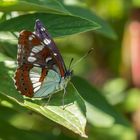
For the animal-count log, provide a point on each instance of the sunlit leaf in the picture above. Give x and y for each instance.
(114, 90)
(131, 102)
(3, 57)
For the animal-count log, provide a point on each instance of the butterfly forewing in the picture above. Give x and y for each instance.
(29, 49)
(47, 40)
(31, 54)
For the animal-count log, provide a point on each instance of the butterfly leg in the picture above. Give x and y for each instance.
(49, 99)
(63, 103)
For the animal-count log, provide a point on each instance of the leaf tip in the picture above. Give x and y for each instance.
(84, 135)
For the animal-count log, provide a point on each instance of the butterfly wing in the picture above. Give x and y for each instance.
(51, 84)
(47, 40)
(31, 55)
(31, 50)
(41, 69)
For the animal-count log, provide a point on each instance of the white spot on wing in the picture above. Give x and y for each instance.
(37, 65)
(33, 82)
(31, 59)
(55, 54)
(34, 75)
(30, 38)
(19, 46)
(19, 50)
(36, 84)
(37, 49)
(42, 29)
(47, 41)
(31, 54)
(32, 72)
(34, 79)
(47, 59)
(37, 88)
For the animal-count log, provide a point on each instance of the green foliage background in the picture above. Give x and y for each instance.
(93, 112)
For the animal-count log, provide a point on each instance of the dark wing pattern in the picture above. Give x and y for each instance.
(37, 54)
(31, 53)
(47, 40)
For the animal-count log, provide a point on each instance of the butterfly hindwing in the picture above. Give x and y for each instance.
(50, 84)
(22, 80)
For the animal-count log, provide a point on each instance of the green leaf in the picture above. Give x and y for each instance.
(131, 101)
(115, 132)
(99, 111)
(6, 113)
(114, 90)
(136, 3)
(72, 117)
(8, 49)
(58, 25)
(105, 29)
(31, 5)
(9, 132)
(3, 57)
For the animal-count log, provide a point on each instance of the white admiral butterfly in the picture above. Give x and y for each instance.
(41, 70)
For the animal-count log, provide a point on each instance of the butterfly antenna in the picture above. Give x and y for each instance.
(70, 63)
(15, 35)
(78, 61)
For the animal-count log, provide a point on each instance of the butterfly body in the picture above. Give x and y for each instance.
(41, 70)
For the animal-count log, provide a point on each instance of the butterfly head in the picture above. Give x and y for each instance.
(68, 73)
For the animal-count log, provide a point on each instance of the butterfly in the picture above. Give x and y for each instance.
(41, 70)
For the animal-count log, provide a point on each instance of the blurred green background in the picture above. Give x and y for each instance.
(113, 69)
